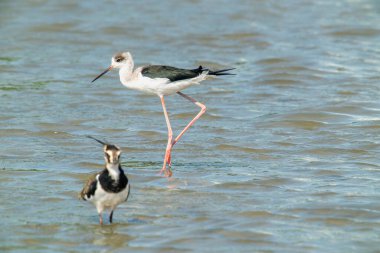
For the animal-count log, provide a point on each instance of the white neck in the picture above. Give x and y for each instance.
(125, 72)
(113, 170)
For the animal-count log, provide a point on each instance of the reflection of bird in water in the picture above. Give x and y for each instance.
(110, 236)
(162, 80)
(110, 187)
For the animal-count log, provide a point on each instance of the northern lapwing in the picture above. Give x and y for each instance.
(110, 187)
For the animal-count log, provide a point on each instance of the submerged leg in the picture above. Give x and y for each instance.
(169, 146)
(111, 215)
(100, 209)
(100, 219)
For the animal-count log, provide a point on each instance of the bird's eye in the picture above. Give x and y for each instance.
(118, 59)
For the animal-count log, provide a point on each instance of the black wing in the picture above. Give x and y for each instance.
(129, 191)
(171, 73)
(89, 188)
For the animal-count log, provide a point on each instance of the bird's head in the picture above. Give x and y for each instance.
(118, 61)
(111, 152)
(121, 59)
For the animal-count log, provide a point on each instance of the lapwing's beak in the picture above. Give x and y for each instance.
(105, 71)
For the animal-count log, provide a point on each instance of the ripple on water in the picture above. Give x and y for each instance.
(262, 184)
(52, 134)
(14, 132)
(149, 134)
(243, 149)
(352, 215)
(356, 32)
(302, 124)
(334, 151)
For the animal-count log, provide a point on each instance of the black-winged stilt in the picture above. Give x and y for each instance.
(162, 80)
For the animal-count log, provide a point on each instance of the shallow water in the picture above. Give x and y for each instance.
(286, 159)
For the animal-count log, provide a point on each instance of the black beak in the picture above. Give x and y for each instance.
(105, 71)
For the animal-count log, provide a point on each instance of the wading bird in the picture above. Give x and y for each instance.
(110, 187)
(161, 81)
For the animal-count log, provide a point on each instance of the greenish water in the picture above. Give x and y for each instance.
(286, 159)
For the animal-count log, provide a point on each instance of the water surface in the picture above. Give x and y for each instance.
(286, 159)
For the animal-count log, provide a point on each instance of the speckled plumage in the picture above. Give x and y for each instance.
(89, 187)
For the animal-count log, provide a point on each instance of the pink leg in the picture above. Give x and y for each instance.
(100, 219)
(202, 111)
(171, 142)
(167, 172)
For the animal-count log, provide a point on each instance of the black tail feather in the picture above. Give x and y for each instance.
(221, 72)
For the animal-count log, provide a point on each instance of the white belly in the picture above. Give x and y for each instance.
(162, 86)
(108, 200)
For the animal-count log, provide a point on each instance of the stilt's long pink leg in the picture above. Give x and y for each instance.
(202, 111)
(169, 146)
(171, 142)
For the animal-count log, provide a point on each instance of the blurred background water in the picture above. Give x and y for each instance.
(286, 159)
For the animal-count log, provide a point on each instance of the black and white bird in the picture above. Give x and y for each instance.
(110, 187)
(161, 81)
